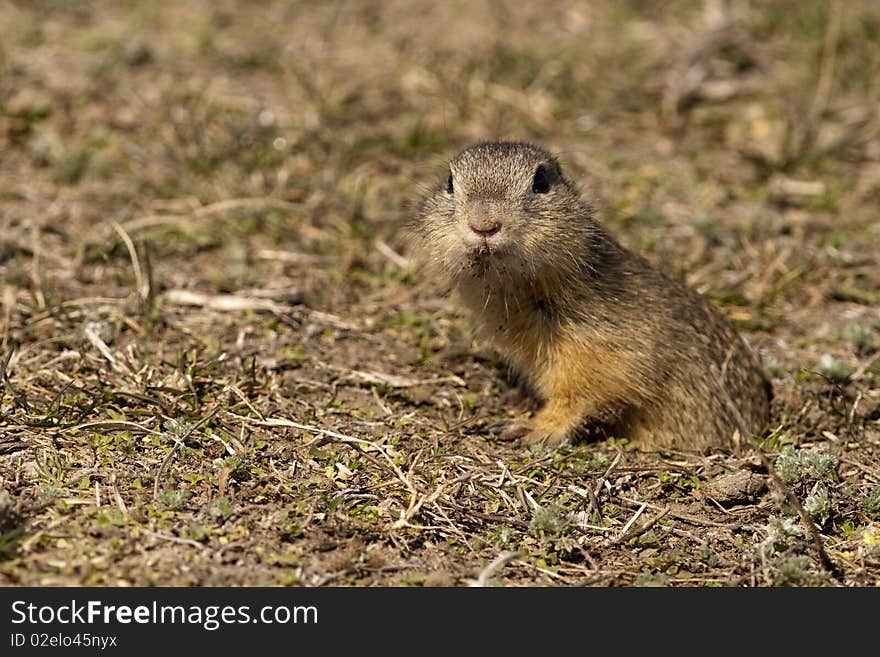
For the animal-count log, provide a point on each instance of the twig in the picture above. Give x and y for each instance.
(19, 398)
(294, 257)
(224, 302)
(611, 467)
(280, 422)
(150, 300)
(452, 526)
(872, 474)
(8, 305)
(117, 496)
(245, 400)
(855, 406)
(177, 443)
(499, 561)
(358, 568)
(503, 520)
(589, 495)
(545, 571)
(594, 493)
(526, 498)
(232, 302)
(36, 273)
(594, 503)
(628, 536)
(73, 303)
(630, 522)
(395, 380)
(392, 255)
(112, 424)
(140, 284)
(96, 341)
(174, 539)
(417, 502)
(680, 516)
(36, 536)
(863, 367)
(152, 220)
(829, 59)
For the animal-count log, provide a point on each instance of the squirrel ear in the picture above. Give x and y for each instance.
(541, 183)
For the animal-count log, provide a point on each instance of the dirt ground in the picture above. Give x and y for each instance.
(220, 366)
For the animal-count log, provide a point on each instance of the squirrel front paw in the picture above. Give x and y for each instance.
(530, 432)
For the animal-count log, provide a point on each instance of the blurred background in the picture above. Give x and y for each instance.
(212, 193)
(694, 125)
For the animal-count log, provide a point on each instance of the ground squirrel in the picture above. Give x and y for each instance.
(610, 343)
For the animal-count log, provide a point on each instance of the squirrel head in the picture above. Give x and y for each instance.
(505, 211)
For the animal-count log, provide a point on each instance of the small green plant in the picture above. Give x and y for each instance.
(802, 467)
(777, 440)
(847, 529)
(871, 543)
(834, 369)
(774, 367)
(50, 492)
(232, 463)
(779, 554)
(862, 336)
(173, 499)
(652, 580)
(871, 504)
(792, 571)
(505, 537)
(177, 427)
(781, 533)
(708, 556)
(818, 503)
(551, 521)
(551, 525)
(221, 508)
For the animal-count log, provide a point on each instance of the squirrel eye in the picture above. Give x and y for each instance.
(540, 185)
(449, 187)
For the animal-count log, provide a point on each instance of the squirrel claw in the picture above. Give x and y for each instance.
(528, 433)
(547, 438)
(509, 430)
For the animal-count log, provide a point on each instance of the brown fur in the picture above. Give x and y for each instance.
(605, 339)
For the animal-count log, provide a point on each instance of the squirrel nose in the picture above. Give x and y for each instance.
(484, 226)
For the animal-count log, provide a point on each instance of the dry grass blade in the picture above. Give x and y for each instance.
(99, 344)
(630, 522)
(335, 435)
(4, 374)
(153, 220)
(178, 441)
(113, 425)
(828, 61)
(9, 302)
(397, 381)
(392, 255)
(294, 257)
(174, 539)
(237, 303)
(141, 283)
(222, 302)
(626, 535)
(499, 562)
